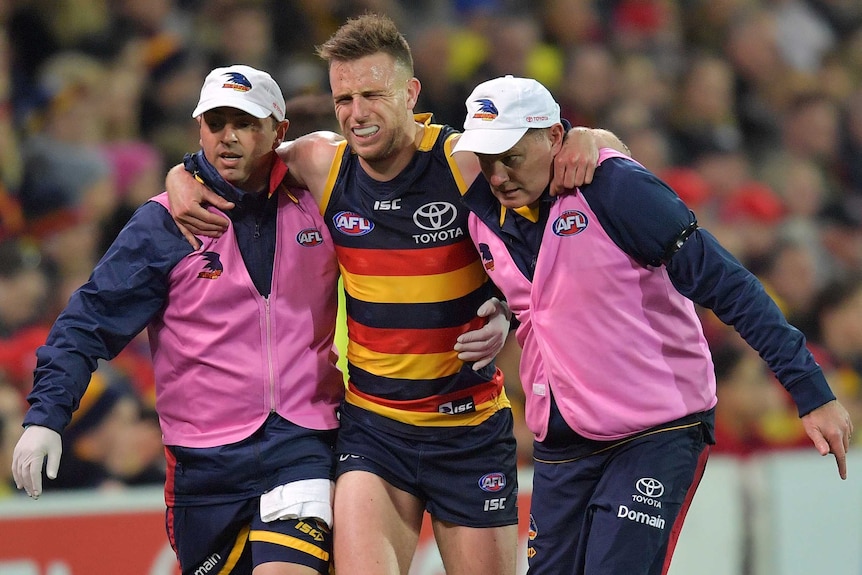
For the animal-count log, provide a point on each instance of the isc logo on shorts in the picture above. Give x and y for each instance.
(458, 406)
(492, 482)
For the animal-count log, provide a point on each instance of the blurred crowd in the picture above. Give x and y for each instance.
(750, 109)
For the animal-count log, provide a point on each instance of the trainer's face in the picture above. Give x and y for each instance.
(520, 175)
(237, 144)
(374, 100)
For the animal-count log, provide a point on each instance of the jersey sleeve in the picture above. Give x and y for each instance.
(126, 289)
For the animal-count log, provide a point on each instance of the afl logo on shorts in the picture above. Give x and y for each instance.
(352, 224)
(492, 482)
(309, 237)
(570, 223)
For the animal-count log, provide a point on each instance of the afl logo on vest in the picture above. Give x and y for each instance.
(309, 237)
(570, 223)
(352, 224)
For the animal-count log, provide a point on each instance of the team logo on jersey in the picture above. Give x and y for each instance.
(236, 81)
(487, 258)
(487, 110)
(213, 268)
(309, 237)
(570, 223)
(492, 482)
(435, 216)
(352, 224)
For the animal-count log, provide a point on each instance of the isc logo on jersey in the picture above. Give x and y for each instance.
(309, 237)
(570, 223)
(352, 224)
(492, 482)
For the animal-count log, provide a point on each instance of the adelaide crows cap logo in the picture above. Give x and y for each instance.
(487, 110)
(237, 81)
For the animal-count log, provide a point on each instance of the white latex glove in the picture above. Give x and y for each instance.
(481, 345)
(36, 442)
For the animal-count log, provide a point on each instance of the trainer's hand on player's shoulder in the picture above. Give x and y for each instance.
(35, 444)
(830, 428)
(481, 346)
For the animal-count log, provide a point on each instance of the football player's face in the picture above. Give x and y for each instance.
(374, 99)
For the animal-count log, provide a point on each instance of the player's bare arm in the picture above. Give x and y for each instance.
(308, 160)
(574, 165)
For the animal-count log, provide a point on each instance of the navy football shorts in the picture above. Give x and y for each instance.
(618, 510)
(213, 496)
(469, 478)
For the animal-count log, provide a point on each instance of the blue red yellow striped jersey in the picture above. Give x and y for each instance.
(413, 282)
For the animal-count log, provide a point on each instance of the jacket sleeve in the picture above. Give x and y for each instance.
(648, 221)
(126, 289)
(709, 275)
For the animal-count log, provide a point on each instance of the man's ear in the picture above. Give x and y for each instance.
(413, 89)
(280, 132)
(557, 134)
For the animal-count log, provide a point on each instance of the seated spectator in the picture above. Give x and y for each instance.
(111, 442)
(25, 284)
(752, 414)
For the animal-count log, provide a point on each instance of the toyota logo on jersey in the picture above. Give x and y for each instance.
(570, 223)
(435, 216)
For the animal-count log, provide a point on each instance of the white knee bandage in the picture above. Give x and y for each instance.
(300, 499)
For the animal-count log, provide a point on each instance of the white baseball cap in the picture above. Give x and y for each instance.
(500, 111)
(243, 88)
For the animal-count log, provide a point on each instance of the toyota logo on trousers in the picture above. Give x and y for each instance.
(649, 487)
(435, 216)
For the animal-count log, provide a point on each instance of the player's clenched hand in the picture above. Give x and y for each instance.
(830, 428)
(482, 345)
(186, 198)
(35, 444)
